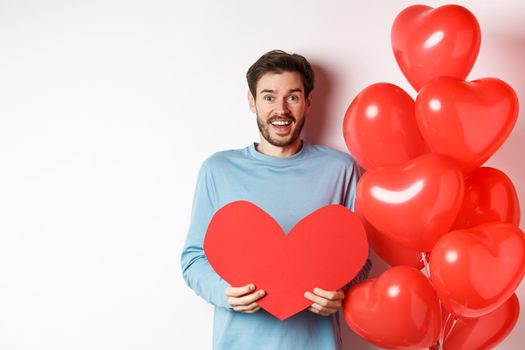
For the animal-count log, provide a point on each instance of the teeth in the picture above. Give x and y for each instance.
(280, 122)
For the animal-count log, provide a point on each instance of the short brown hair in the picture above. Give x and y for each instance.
(278, 61)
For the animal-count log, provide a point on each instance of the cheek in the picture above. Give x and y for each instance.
(264, 110)
(299, 111)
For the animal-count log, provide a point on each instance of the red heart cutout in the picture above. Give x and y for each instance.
(399, 309)
(413, 204)
(430, 43)
(484, 332)
(380, 127)
(467, 121)
(489, 196)
(326, 249)
(475, 271)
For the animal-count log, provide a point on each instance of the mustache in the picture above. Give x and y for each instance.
(282, 117)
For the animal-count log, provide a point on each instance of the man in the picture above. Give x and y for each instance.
(289, 180)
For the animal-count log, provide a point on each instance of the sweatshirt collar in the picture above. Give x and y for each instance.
(252, 149)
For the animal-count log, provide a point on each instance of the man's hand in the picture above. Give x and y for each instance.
(243, 299)
(325, 303)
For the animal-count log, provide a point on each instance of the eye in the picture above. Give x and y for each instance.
(293, 98)
(268, 98)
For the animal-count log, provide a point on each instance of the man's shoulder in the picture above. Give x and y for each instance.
(224, 158)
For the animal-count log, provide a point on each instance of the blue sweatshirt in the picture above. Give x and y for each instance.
(288, 189)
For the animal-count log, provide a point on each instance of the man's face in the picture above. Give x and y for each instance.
(280, 106)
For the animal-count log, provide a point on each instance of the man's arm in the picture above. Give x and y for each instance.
(356, 173)
(361, 276)
(328, 302)
(196, 270)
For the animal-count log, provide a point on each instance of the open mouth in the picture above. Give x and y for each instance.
(281, 122)
(281, 126)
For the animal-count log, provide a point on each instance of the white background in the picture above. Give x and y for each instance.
(108, 108)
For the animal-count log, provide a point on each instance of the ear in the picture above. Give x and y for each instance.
(309, 101)
(251, 101)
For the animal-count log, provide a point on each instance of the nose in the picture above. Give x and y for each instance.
(282, 106)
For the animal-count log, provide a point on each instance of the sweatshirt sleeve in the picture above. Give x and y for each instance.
(196, 270)
(361, 276)
(355, 174)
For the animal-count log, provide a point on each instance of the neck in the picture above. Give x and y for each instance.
(267, 148)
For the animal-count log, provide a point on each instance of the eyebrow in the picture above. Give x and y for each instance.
(273, 91)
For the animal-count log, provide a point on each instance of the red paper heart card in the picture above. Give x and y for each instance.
(326, 250)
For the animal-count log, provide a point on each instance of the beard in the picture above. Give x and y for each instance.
(264, 128)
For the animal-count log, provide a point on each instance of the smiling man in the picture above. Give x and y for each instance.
(287, 178)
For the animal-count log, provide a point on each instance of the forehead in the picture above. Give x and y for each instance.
(280, 82)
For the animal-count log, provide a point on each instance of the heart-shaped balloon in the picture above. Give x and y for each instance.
(475, 271)
(489, 196)
(413, 204)
(467, 121)
(484, 332)
(391, 251)
(399, 309)
(430, 43)
(380, 127)
(326, 250)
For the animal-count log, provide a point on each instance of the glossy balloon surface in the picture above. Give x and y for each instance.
(380, 127)
(414, 204)
(475, 271)
(397, 309)
(430, 43)
(484, 332)
(489, 196)
(467, 121)
(391, 251)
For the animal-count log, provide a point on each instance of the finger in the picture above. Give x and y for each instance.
(322, 301)
(253, 311)
(324, 308)
(239, 291)
(314, 310)
(319, 310)
(247, 308)
(246, 299)
(330, 295)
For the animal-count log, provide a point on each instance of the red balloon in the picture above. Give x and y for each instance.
(489, 196)
(380, 127)
(430, 43)
(475, 271)
(413, 204)
(467, 121)
(390, 251)
(484, 332)
(397, 309)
